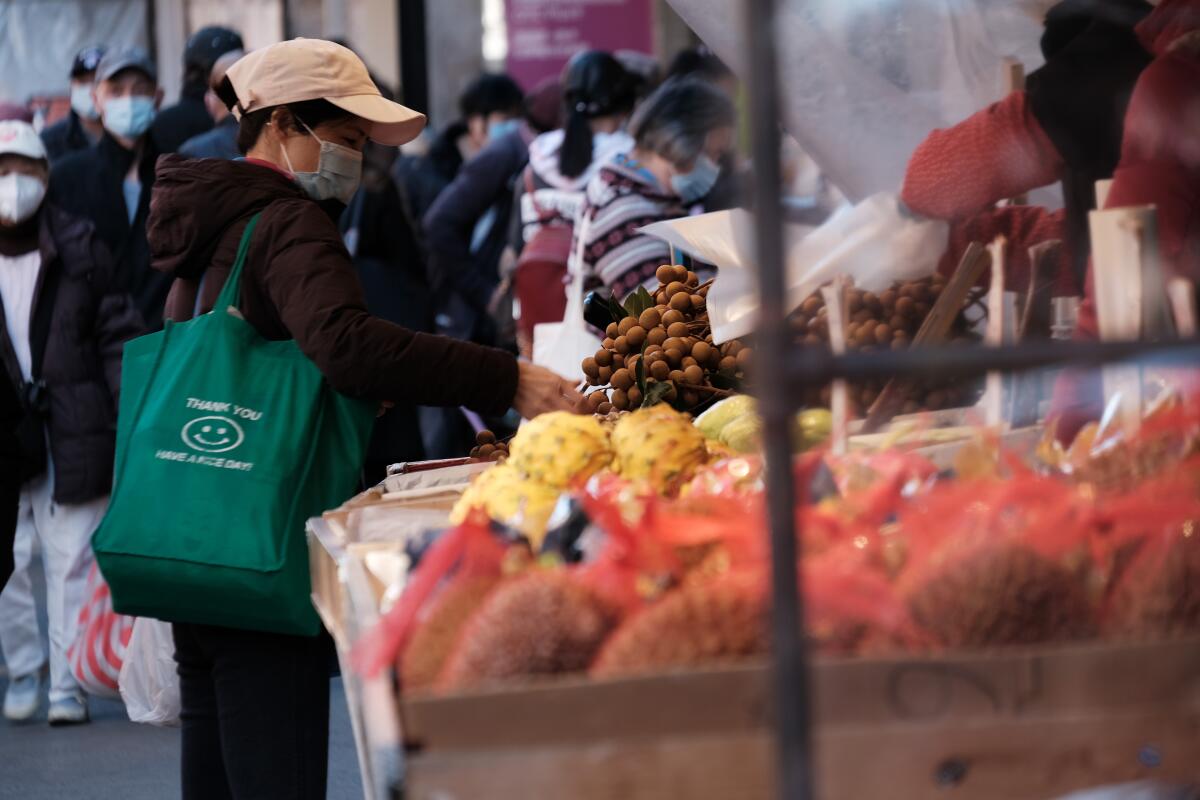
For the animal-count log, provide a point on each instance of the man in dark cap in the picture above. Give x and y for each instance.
(189, 117)
(110, 183)
(221, 141)
(81, 128)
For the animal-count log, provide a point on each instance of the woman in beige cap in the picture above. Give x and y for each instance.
(255, 706)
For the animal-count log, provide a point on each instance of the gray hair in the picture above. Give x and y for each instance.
(675, 120)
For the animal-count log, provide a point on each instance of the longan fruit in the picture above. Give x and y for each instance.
(697, 302)
(744, 357)
(620, 400)
(871, 302)
(474, 452)
(702, 352)
(649, 319)
(653, 350)
(622, 345)
(624, 325)
(631, 363)
(888, 299)
(655, 337)
(898, 323)
(693, 375)
(905, 306)
(636, 337)
(692, 279)
(690, 399)
(678, 330)
(612, 331)
(860, 316)
(899, 344)
(673, 343)
(854, 302)
(674, 288)
(812, 305)
(734, 347)
(660, 370)
(799, 322)
(604, 357)
(635, 397)
(605, 375)
(622, 379)
(681, 302)
(681, 272)
(595, 399)
(728, 364)
(486, 450)
(608, 344)
(618, 361)
(703, 291)
(590, 368)
(671, 316)
(883, 333)
(665, 274)
(674, 357)
(485, 437)
(688, 362)
(605, 409)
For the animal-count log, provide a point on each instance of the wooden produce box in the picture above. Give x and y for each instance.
(1013, 724)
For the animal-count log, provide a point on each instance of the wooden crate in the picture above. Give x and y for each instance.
(1034, 723)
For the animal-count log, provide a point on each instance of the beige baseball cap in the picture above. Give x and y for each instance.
(314, 69)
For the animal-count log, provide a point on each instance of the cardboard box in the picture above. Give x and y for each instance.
(1020, 723)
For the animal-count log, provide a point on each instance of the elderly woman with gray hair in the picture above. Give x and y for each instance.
(681, 133)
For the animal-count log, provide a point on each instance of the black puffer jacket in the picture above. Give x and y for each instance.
(81, 363)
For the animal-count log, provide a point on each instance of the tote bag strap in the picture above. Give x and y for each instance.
(231, 292)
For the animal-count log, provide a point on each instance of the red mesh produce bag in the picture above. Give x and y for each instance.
(468, 551)
(540, 623)
(999, 562)
(1151, 540)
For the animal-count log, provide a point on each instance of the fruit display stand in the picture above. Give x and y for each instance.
(348, 593)
(1023, 723)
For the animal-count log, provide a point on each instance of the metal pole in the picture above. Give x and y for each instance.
(813, 365)
(790, 667)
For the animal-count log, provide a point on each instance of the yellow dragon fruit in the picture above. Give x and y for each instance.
(559, 449)
(509, 497)
(658, 445)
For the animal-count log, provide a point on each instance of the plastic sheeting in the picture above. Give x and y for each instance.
(864, 81)
(39, 40)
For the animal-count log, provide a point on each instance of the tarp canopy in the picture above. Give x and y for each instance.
(864, 81)
(41, 37)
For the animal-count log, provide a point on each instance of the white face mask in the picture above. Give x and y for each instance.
(82, 102)
(20, 197)
(691, 186)
(339, 172)
(130, 116)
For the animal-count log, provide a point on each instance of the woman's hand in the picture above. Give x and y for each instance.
(539, 390)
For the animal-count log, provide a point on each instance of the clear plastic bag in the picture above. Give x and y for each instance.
(149, 683)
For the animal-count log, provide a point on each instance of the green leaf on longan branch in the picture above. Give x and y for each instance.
(638, 302)
(655, 393)
(615, 309)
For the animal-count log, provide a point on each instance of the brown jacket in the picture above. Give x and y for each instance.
(299, 284)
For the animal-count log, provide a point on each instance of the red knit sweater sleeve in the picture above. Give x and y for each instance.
(997, 153)
(1022, 227)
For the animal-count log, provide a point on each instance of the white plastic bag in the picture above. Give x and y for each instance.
(149, 684)
(562, 346)
(874, 243)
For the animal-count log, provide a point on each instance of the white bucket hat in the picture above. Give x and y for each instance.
(313, 69)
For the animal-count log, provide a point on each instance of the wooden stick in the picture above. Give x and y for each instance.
(835, 303)
(1035, 324)
(934, 329)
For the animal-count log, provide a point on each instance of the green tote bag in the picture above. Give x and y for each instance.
(226, 444)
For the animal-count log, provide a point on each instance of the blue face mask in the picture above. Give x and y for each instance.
(692, 186)
(502, 128)
(128, 117)
(339, 172)
(81, 100)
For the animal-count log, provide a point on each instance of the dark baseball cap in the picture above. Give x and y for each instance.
(127, 58)
(86, 61)
(208, 44)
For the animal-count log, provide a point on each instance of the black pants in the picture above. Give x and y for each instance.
(255, 713)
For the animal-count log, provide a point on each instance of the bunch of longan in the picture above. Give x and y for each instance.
(487, 448)
(887, 320)
(672, 342)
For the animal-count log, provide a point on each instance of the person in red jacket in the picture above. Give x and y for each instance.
(1159, 166)
(1065, 126)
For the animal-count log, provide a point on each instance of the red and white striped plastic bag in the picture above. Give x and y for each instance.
(100, 640)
